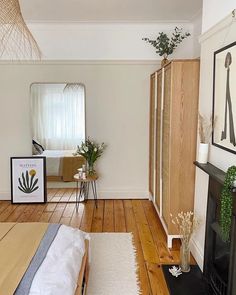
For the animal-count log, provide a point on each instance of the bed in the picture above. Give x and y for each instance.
(61, 165)
(42, 258)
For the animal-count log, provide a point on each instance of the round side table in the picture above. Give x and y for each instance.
(83, 188)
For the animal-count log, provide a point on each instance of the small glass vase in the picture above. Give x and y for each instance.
(91, 170)
(185, 258)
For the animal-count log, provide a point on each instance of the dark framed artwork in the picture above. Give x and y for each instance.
(224, 98)
(28, 180)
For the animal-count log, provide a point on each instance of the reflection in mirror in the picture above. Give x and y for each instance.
(58, 126)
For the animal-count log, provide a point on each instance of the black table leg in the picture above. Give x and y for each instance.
(76, 200)
(86, 192)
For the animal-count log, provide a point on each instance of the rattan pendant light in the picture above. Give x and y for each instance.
(16, 40)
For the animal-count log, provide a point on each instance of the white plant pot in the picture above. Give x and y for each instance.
(203, 153)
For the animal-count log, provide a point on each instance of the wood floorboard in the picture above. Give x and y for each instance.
(136, 216)
(87, 219)
(77, 216)
(108, 217)
(7, 212)
(4, 205)
(57, 213)
(36, 214)
(15, 215)
(24, 217)
(147, 242)
(131, 226)
(98, 217)
(119, 216)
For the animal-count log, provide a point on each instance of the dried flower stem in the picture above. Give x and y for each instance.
(205, 128)
(186, 224)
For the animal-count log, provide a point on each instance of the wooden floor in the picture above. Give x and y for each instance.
(137, 216)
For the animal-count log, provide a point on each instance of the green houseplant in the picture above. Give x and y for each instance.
(226, 209)
(165, 45)
(91, 151)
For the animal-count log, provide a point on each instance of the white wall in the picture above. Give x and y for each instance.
(219, 36)
(197, 29)
(117, 111)
(214, 11)
(105, 41)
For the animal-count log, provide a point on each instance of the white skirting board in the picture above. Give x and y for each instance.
(102, 194)
(5, 196)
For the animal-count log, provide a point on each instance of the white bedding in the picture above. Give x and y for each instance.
(58, 274)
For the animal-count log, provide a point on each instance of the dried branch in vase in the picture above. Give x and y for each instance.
(186, 224)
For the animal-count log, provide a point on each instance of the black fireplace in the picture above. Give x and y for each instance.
(219, 256)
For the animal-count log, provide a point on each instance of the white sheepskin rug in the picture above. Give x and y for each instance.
(113, 266)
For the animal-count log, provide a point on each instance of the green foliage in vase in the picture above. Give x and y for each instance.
(90, 150)
(27, 183)
(226, 210)
(166, 45)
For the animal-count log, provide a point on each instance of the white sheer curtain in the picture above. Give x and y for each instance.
(58, 116)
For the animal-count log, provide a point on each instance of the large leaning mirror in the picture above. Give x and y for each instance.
(58, 126)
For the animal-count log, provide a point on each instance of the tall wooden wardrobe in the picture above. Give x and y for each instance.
(172, 146)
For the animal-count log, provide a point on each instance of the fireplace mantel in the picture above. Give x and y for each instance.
(212, 171)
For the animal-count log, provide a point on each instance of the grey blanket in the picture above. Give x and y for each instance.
(25, 284)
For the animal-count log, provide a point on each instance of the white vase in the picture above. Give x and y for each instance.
(203, 153)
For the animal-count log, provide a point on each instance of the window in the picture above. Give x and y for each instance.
(58, 115)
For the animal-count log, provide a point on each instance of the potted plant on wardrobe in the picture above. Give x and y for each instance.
(165, 45)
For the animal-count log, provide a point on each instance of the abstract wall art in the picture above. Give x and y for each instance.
(224, 98)
(28, 180)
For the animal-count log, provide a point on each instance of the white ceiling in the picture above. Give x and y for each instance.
(109, 10)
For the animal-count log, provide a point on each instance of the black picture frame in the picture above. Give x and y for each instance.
(224, 103)
(28, 186)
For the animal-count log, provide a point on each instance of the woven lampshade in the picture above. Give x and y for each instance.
(16, 40)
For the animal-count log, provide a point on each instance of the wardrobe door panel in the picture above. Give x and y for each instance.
(151, 134)
(158, 141)
(166, 145)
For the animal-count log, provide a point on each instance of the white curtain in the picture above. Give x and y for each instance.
(58, 116)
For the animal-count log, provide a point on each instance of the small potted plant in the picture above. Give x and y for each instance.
(91, 151)
(205, 128)
(165, 45)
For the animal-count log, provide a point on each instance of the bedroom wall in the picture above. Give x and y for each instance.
(218, 36)
(117, 106)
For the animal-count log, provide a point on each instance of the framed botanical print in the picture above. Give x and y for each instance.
(224, 98)
(28, 180)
